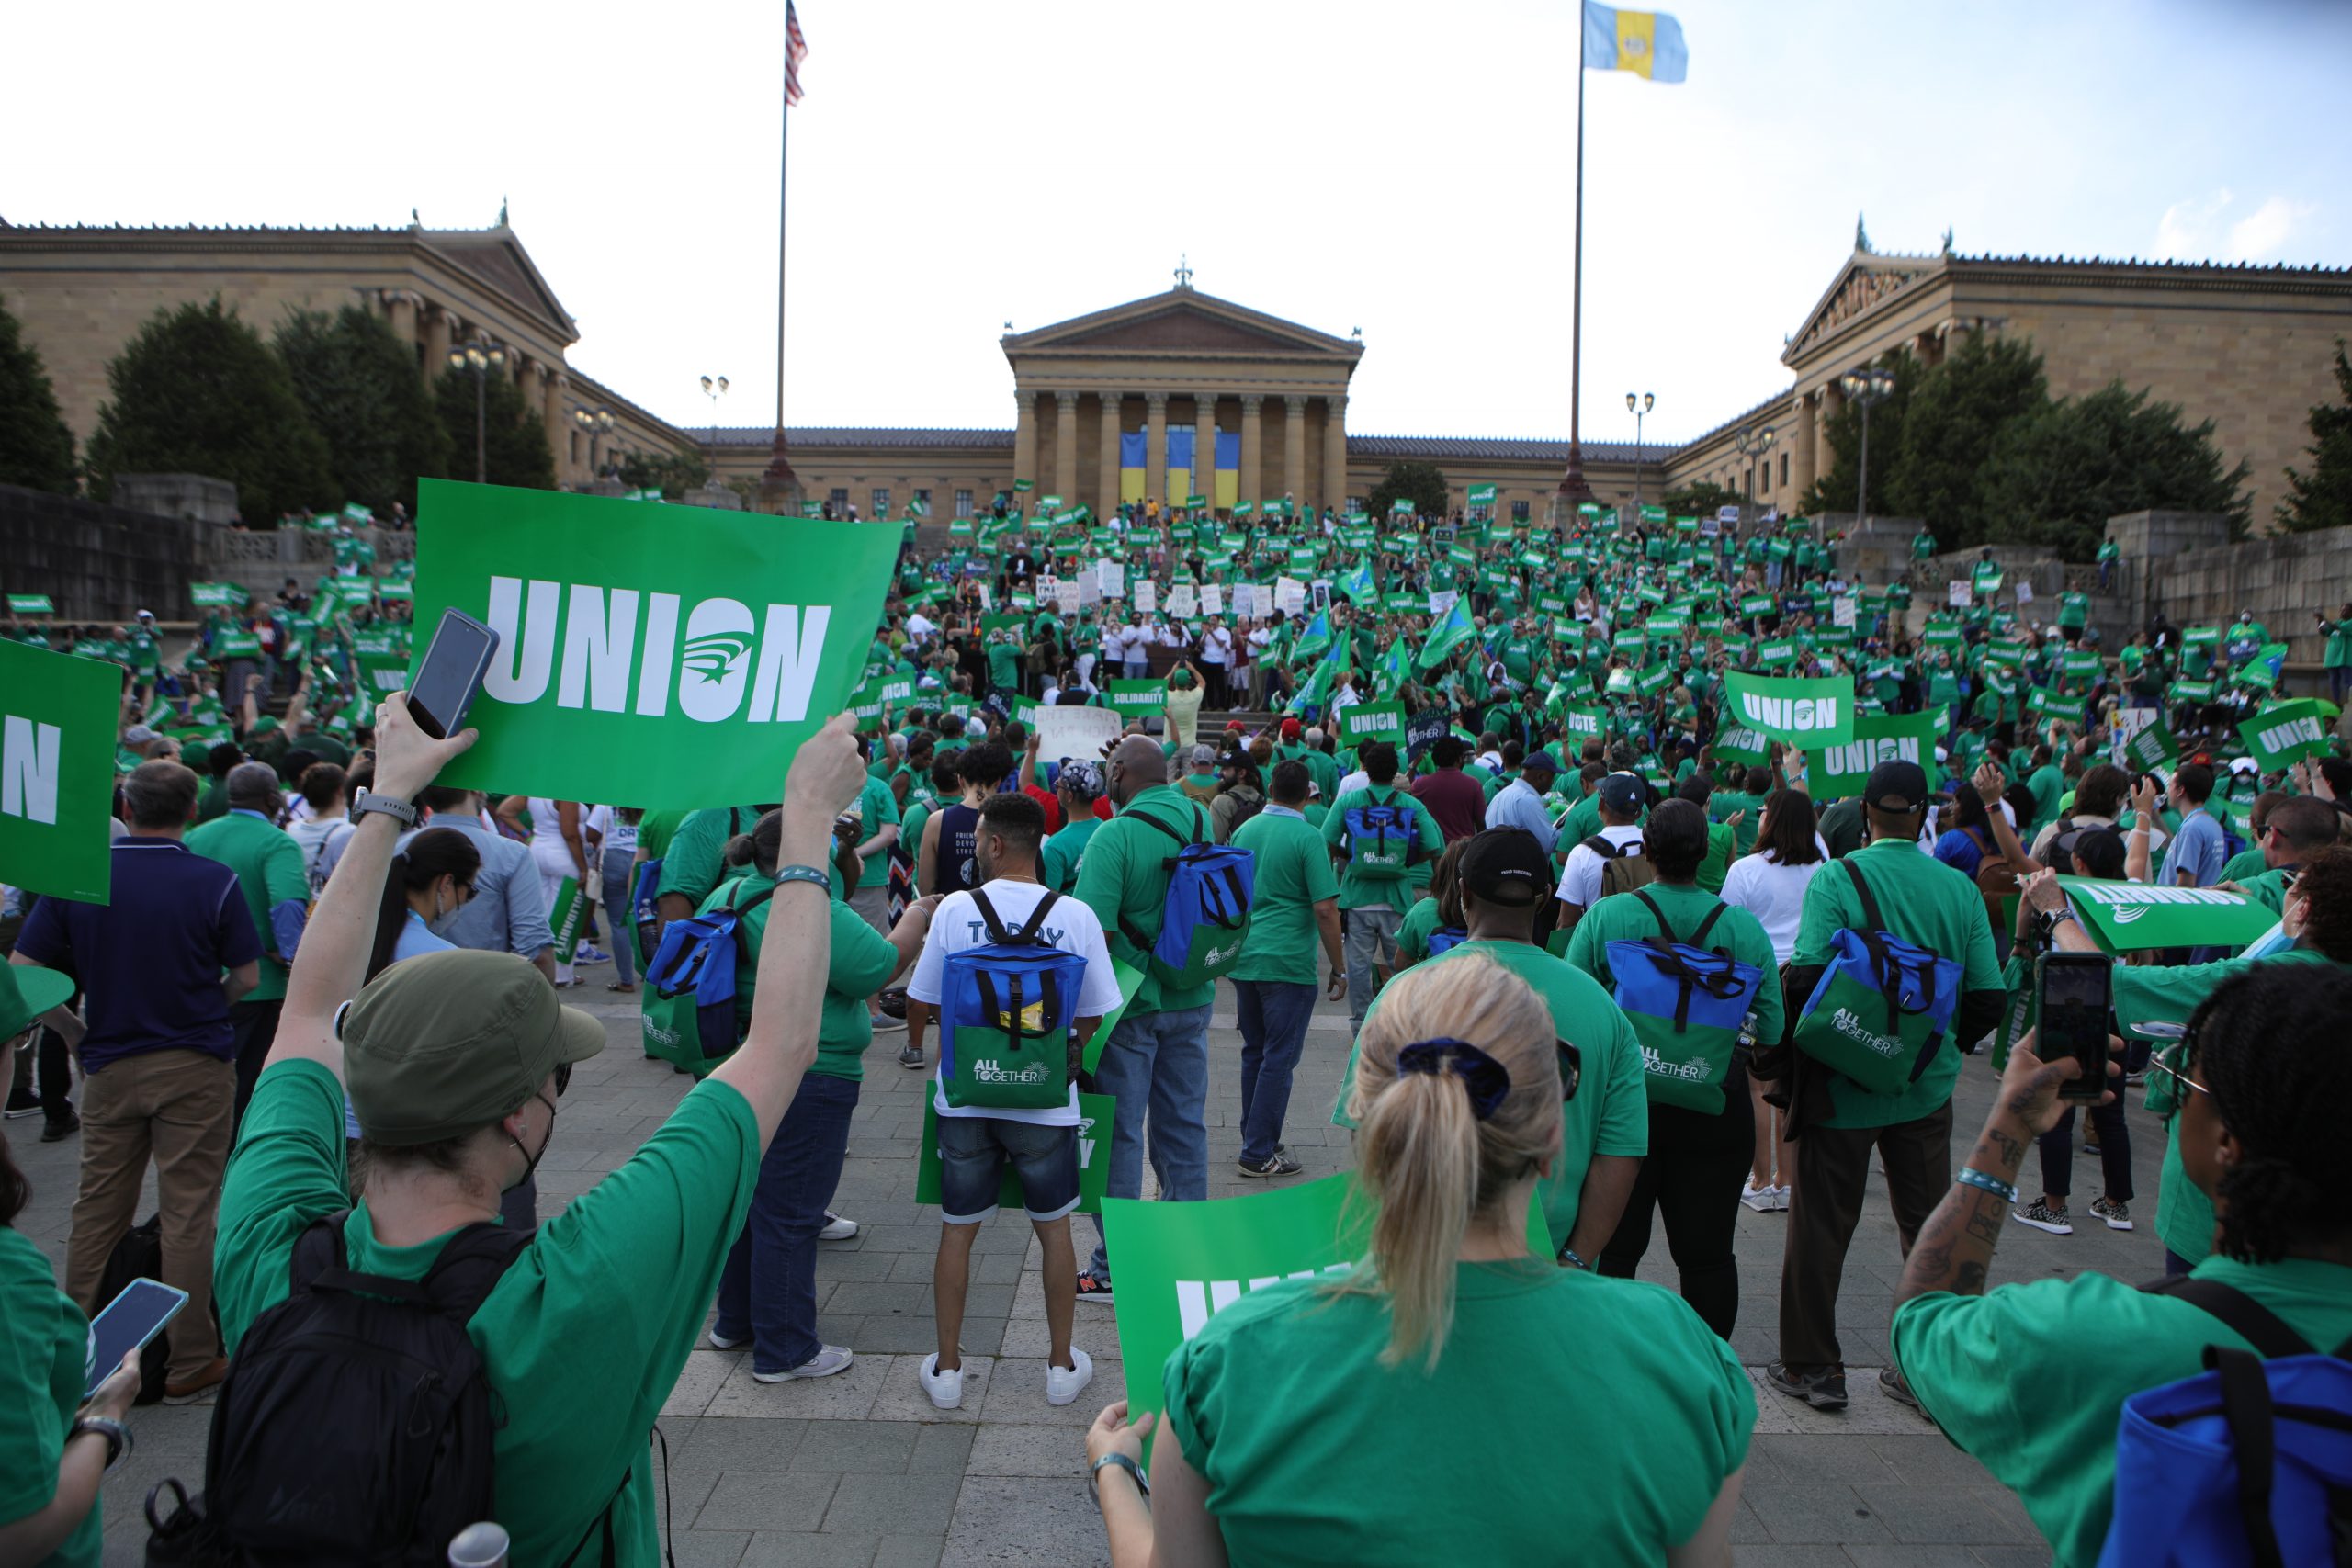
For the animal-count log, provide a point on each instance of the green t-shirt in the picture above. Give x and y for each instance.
(2246, 865)
(268, 864)
(1125, 881)
(1720, 851)
(2048, 783)
(1621, 916)
(2003, 1374)
(654, 832)
(620, 1281)
(1004, 664)
(876, 809)
(1293, 874)
(691, 861)
(1523, 1330)
(861, 963)
(1413, 933)
(1064, 850)
(1397, 893)
(44, 1347)
(1611, 1112)
(1923, 901)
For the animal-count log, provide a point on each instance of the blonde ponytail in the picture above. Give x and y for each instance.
(1424, 1154)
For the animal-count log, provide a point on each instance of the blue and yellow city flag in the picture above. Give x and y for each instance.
(1648, 43)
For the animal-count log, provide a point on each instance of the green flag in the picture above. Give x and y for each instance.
(1482, 495)
(1313, 638)
(1358, 585)
(1877, 738)
(1578, 725)
(1395, 666)
(30, 604)
(671, 659)
(1446, 635)
(1315, 690)
(1809, 712)
(2285, 733)
(2126, 917)
(206, 595)
(1372, 721)
(57, 730)
(1135, 699)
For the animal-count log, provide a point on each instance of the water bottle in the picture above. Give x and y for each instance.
(479, 1546)
(1745, 1049)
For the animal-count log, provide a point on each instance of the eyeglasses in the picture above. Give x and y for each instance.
(2172, 1069)
(1571, 1069)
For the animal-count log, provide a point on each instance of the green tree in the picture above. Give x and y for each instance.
(1835, 491)
(36, 447)
(1701, 498)
(514, 444)
(2056, 475)
(1423, 484)
(1946, 434)
(2321, 498)
(672, 473)
(197, 391)
(360, 383)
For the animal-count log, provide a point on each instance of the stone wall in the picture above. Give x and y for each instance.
(98, 562)
(2183, 565)
(192, 496)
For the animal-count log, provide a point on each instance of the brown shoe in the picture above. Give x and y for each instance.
(207, 1378)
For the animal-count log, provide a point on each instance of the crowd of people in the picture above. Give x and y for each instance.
(1612, 960)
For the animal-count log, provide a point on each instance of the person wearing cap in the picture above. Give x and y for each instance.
(1295, 906)
(1080, 786)
(1239, 796)
(161, 965)
(143, 650)
(1841, 1129)
(455, 1065)
(1200, 784)
(1504, 880)
(1374, 906)
(1520, 803)
(1624, 799)
(277, 889)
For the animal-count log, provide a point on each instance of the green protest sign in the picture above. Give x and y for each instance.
(1367, 722)
(1756, 605)
(2081, 666)
(2127, 917)
(566, 919)
(207, 595)
(1877, 738)
(236, 644)
(1093, 1157)
(2153, 747)
(2285, 733)
(57, 731)
(1738, 743)
(30, 604)
(1481, 495)
(674, 659)
(1779, 650)
(1581, 724)
(1135, 699)
(1810, 711)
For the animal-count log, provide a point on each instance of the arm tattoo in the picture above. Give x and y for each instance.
(1954, 1248)
(1970, 1280)
(2008, 1150)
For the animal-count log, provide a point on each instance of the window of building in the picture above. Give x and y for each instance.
(880, 496)
(1765, 483)
(922, 500)
(1519, 511)
(840, 499)
(1784, 467)
(964, 504)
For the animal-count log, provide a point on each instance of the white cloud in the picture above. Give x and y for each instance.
(2195, 229)
(2186, 231)
(2265, 230)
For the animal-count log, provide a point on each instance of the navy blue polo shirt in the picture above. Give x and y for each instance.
(150, 960)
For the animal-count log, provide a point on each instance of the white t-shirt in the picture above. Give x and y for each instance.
(1217, 646)
(320, 840)
(956, 927)
(1580, 883)
(1774, 893)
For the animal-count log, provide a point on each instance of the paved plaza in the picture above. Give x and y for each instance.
(859, 1470)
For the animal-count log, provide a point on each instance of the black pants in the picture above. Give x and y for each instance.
(255, 1029)
(44, 1062)
(1825, 1205)
(1693, 1174)
(2057, 1148)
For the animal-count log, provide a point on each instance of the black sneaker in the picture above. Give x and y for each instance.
(1823, 1388)
(910, 1057)
(1093, 1287)
(22, 1104)
(58, 1131)
(1891, 1383)
(1278, 1163)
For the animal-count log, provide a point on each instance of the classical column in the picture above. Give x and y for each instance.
(437, 343)
(1107, 482)
(551, 411)
(400, 306)
(1295, 450)
(1252, 448)
(1066, 448)
(1025, 437)
(1807, 432)
(1205, 445)
(1825, 456)
(1155, 448)
(1335, 453)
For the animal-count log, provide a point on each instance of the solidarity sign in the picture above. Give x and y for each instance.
(673, 658)
(2126, 917)
(57, 728)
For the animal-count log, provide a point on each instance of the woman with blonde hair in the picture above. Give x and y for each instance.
(1373, 1420)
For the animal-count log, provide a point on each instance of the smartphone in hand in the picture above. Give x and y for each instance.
(128, 1321)
(2073, 995)
(456, 663)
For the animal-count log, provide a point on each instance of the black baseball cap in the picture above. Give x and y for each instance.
(1622, 792)
(1505, 865)
(1896, 786)
(1540, 762)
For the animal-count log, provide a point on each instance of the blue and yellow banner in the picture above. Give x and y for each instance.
(1648, 43)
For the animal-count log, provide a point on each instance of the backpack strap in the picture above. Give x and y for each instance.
(2246, 1408)
(470, 1266)
(997, 933)
(1699, 937)
(1027, 936)
(1660, 914)
(1871, 919)
(2241, 1314)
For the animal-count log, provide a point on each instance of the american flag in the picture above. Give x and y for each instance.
(796, 50)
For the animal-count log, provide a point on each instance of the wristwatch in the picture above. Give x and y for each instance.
(399, 811)
(116, 1435)
(1094, 1470)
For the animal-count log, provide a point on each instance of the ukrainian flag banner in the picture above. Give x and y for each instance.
(1648, 43)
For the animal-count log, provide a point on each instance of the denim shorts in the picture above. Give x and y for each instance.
(973, 1152)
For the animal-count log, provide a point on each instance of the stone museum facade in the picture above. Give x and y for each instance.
(1184, 393)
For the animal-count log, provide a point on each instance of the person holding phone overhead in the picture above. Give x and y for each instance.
(54, 1447)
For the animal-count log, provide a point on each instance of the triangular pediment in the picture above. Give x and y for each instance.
(1182, 320)
(498, 258)
(1861, 286)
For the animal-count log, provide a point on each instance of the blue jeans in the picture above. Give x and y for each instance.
(618, 865)
(1273, 1016)
(769, 1287)
(1159, 1061)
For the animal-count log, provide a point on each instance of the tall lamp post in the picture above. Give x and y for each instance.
(1751, 442)
(479, 356)
(1648, 401)
(597, 425)
(1869, 385)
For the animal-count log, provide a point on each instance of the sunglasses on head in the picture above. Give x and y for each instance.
(1571, 1069)
(2173, 1062)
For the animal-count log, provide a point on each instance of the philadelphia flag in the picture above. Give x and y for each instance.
(1648, 43)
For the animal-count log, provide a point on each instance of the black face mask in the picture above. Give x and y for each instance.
(531, 1161)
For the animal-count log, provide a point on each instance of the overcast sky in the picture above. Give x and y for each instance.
(1404, 168)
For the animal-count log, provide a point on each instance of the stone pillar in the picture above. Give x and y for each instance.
(1825, 456)
(400, 306)
(1107, 484)
(1252, 480)
(1295, 450)
(1066, 448)
(437, 343)
(559, 435)
(1807, 432)
(1025, 437)
(1155, 446)
(1205, 445)
(1335, 453)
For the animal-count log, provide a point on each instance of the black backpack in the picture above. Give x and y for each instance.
(356, 1425)
(139, 1256)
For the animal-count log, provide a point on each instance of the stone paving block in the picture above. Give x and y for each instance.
(1828, 1514)
(1913, 1556)
(767, 1500)
(942, 1448)
(1745, 1526)
(1930, 1461)
(909, 1552)
(869, 1296)
(847, 1395)
(1096, 1332)
(1964, 1515)
(916, 1503)
(1806, 1458)
(710, 1549)
(705, 1371)
(714, 1445)
(1017, 1392)
(1015, 1523)
(1034, 1450)
(1867, 1410)
(857, 1446)
(2034, 1556)
(784, 1549)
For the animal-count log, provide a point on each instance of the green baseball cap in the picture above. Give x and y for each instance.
(27, 991)
(439, 1045)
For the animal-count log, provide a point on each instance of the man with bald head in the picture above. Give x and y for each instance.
(1156, 1059)
(277, 888)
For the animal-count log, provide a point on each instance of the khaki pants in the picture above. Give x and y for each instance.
(1825, 1205)
(178, 1108)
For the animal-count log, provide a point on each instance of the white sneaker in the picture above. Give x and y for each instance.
(945, 1389)
(1759, 1199)
(828, 1360)
(1064, 1384)
(1781, 1196)
(836, 1228)
(2042, 1217)
(721, 1342)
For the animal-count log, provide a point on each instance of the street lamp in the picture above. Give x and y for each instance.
(479, 356)
(1869, 385)
(714, 390)
(1648, 401)
(597, 423)
(1751, 442)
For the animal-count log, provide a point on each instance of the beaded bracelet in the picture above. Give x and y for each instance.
(1969, 1176)
(809, 873)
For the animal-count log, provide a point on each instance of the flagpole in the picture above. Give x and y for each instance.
(779, 484)
(1573, 489)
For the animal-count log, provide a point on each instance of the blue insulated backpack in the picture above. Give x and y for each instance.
(689, 1014)
(1204, 919)
(1686, 1003)
(1383, 839)
(1005, 1010)
(1445, 939)
(1883, 1005)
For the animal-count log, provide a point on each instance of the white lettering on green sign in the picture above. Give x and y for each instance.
(1788, 712)
(29, 753)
